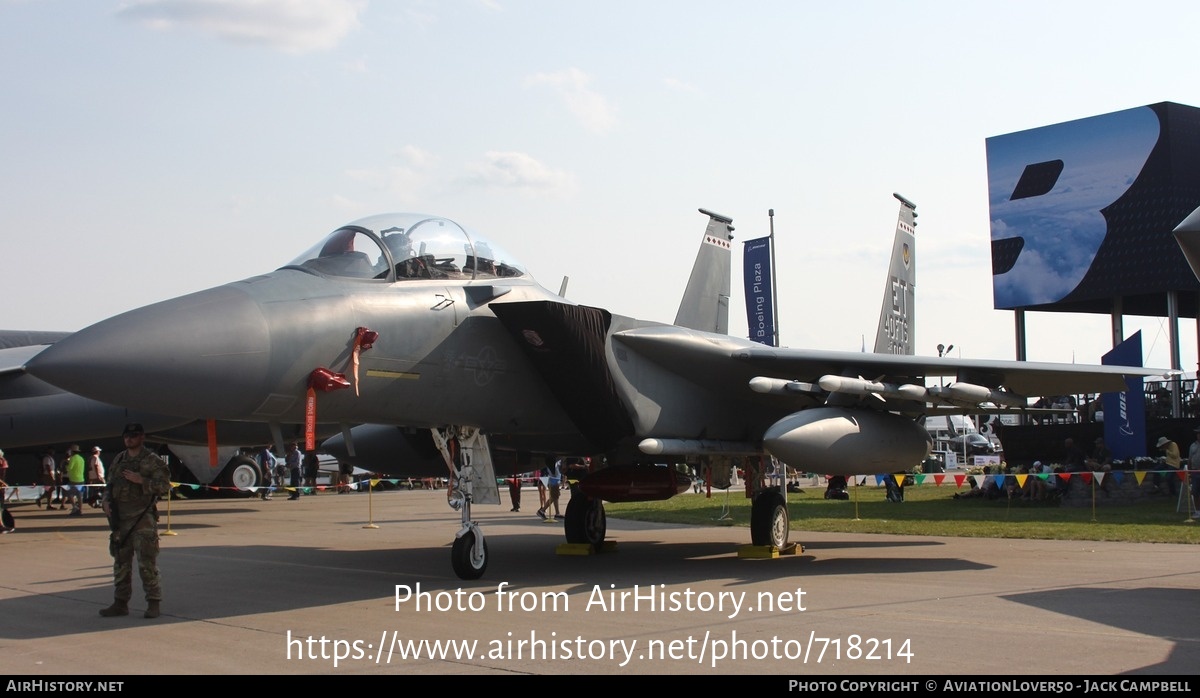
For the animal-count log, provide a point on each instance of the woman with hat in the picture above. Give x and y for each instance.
(1172, 460)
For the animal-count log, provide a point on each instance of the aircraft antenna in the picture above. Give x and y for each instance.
(562, 290)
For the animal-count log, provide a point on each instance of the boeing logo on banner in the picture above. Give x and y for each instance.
(1126, 426)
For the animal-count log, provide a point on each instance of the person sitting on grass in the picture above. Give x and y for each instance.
(982, 486)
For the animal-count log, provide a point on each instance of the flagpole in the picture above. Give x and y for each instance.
(774, 287)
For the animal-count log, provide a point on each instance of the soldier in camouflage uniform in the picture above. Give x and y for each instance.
(137, 478)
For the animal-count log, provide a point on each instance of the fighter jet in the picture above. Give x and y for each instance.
(416, 321)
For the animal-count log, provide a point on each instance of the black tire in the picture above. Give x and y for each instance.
(242, 474)
(462, 557)
(585, 521)
(769, 520)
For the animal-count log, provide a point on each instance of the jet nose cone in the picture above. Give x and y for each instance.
(204, 355)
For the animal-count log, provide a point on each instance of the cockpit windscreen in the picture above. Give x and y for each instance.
(404, 246)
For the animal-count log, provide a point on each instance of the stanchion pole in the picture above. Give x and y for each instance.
(856, 499)
(370, 504)
(1186, 492)
(1007, 496)
(1093, 497)
(169, 532)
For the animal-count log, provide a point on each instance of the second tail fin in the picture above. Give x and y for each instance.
(896, 319)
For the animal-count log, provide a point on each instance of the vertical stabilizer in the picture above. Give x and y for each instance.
(896, 319)
(705, 304)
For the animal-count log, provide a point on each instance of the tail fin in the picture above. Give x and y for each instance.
(896, 320)
(705, 304)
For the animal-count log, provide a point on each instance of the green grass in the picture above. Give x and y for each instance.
(931, 510)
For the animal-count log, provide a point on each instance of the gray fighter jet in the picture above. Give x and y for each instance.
(415, 321)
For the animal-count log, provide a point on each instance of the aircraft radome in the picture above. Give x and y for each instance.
(38, 415)
(415, 321)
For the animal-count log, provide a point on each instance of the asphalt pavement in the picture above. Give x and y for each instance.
(362, 584)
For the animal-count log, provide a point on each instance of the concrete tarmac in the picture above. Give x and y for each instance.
(310, 587)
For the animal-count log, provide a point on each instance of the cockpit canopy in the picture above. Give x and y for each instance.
(407, 246)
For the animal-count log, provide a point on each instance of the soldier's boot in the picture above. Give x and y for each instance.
(118, 608)
(152, 609)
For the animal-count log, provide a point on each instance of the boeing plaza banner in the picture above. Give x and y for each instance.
(760, 305)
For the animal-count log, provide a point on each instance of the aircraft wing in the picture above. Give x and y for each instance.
(24, 338)
(834, 412)
(686, 352)
(1032, 379)
(13, 358)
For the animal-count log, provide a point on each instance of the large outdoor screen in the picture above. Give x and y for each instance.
(1082, 211)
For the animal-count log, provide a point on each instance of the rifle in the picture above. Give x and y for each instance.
(114, 522)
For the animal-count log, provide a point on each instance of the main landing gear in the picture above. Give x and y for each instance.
(769, 519)
(585, 522)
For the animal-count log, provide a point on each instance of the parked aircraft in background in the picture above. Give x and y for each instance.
(415, 321)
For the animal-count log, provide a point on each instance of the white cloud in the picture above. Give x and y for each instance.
(292, 26)
(588, 106)
(519, 171)
(414, 177)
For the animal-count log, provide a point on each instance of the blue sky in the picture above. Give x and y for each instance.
(156, 147)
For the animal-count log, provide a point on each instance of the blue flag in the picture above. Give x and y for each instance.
(1125, 413)
(760, 304)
